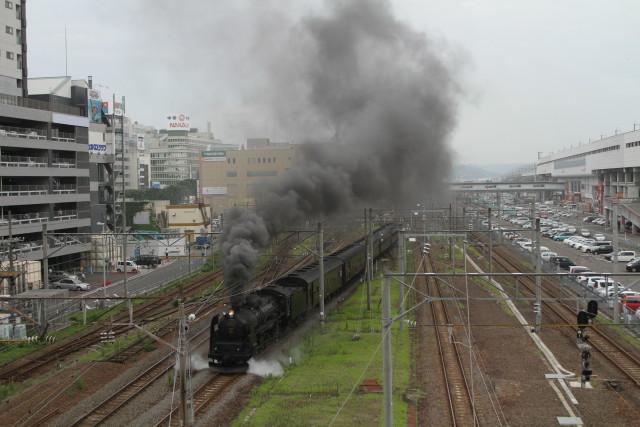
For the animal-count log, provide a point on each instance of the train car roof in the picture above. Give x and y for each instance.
(311, 272)
(349, 251)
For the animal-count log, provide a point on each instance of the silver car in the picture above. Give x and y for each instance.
(71, 284)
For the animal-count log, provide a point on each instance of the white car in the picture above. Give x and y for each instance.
(570, 240)
(546, 255)
(623, 256)
(583, 244)
(592, 280)
(585, 233)
(72, 284)
(582, 278)
(599, 237)
(571, 229)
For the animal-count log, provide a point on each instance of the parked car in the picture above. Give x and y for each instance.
(588, 218)
(560, 237)
(150, 261)
(591, 281)
(132, 267)
(71, 284)
(599, 237)
(583, 244)
(571, 229)
(57, 275)
(562, 261)
(602, 249)
(578, 269)
(546, 255)
(585, 233)
(632, 302)
(633, 266)
(623, 256)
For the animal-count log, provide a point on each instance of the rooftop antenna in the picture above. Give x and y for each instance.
(66, 72)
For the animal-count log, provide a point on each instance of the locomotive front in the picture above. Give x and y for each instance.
(230, 345)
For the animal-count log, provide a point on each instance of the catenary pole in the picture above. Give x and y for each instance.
(124, 212)
(45, 257)
(538, 278)
(369, 273)
(321, 265)
(616, 248)
(490, 241)
(386, 344)
(12, 280)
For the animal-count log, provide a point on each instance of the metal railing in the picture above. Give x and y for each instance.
(65, 189)
(23, 190)
(63, 163)
(19, 101)
(18, 132)
(26, 218)
(23, 161)
(60, 136)
(65, 215)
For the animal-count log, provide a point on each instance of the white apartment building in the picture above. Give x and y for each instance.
(13, 48)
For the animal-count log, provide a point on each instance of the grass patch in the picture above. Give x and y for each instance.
(619, 329)
(332, 362)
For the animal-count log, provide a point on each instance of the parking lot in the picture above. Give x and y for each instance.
(557, 220)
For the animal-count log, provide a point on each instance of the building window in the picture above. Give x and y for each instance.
(9, 29)
(19, 62)
(8, 4)
(233, 160)
(232, 174)
(18, 36)
(18, 12)
(9, 55)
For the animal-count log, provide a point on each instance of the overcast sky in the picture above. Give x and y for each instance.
(535, 76)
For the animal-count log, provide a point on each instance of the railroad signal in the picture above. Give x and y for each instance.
(584, 319)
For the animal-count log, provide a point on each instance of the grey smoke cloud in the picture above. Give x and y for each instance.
(375, 105)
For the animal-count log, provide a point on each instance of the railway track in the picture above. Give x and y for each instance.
(202, 398)
(26, 367)
(110, 405)
(626, 362)
(461, 407)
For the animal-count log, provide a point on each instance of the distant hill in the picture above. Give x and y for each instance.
(466, 172)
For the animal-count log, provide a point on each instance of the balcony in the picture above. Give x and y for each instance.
(19, 101)
(23, 162)
(32, 222)
(65, 189)
(23, 190)
(63, 163)
(26, 133)
(57, 245)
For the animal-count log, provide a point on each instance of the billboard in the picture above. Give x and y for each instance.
(212, 191)
(140, 140)
(95, 106)
(178, 121)
(155, 184)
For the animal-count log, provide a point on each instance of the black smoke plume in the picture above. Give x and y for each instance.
(375, 105)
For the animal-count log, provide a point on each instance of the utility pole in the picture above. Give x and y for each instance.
(368, 272)
(616, 248)
(538, 308)
(45, 257)
(321, 265)
(124, 212)
(490, 242)
(386, 344)
(12, 280)
(187, 241)
(402, 261)
(183, 355)
(453, 256)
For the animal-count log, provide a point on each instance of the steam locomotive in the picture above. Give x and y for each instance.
(270, 312)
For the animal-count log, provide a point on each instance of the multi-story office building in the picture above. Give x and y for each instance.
(228, 177)
(175, 156)
(13, 48)
(44, 177)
